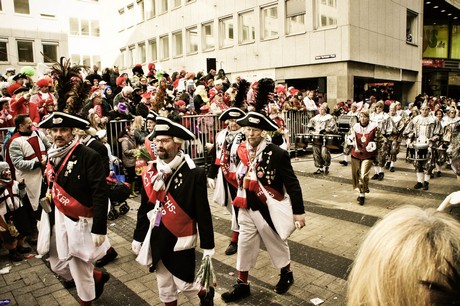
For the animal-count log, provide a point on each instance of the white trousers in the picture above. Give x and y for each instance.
(253, 227)
(74, 268)
(169, 285)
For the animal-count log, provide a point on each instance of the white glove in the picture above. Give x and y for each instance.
(98, 240)
(349, 140)
(136, 247)
(208, 252)
(211, 183)
(451, 199)
(371, 146)
(27, 96)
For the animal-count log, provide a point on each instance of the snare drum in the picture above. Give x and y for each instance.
(345, 122)
(333, 141)
(417, 153)
(317, 139)
(302, 140)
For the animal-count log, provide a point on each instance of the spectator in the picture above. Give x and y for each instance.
(128, 147)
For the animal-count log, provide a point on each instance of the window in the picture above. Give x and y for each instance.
(21, 7)
(3, 50)
(50, 52)
(270, 23)
(177, 3)
(411, 27)
(123, 57)
(97, 60)
(177, 44)
(226, 32)
(84, 27)
(86, 60)
(164, 47)
(73, 26)
(122, 19)
(131, 56)
(95, 29)
(25, 51)
(207, 34)
(130, 17)
(1, 7)
(163, 6)
(295, 16)
(326, 13)
(153, 50)
(247, 29)
(142, 52)
(150, 8)
(75, 59)
(140, 10)
(192, 40)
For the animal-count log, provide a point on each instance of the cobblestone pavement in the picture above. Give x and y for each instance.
(321, 253)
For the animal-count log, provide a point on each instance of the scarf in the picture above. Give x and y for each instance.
(165, 170)
(246, 174)
(55, 153)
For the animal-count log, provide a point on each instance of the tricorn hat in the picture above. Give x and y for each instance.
(231, 113)
(61, 119)
(167, 127)
(259, 121)
(152, 115)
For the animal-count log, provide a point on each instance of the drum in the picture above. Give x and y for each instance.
(417, 152)
(317, 139)
(345, 122)
(333, 141)
(301, 140)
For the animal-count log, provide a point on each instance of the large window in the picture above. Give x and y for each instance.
(25, 51)
(50, 52)
(178, 50)
(121, 19)
(207, 34)
(3, 50)
(437, 41)
(149, 8)
(95, 28)
(75, 59)
(73, 26)
(142, 52)
(21, 7)
(84, 27)
(140, 10)
(163, 6)
(411, 27)
(326, 13)
(177, 3)
(123, 58)
(226, 32)
(247, 27)
(192, 40)
(86, 60)
(153, 50)
(270, 22)
(164, 47)
(295, 16)
(131, 56)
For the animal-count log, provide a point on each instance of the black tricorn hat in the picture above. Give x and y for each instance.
(21, 89)
(232, 113)
(61, 119)
(167, 127)
(259, 121)
(152, 115)
(19, 76)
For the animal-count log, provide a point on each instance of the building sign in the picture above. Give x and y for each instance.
(435, 41)
(327, 56)
(430, 62)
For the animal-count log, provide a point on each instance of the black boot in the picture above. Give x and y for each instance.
(426, 185)
(15, 256)
(286, 280)
(208, 298)
(418, 185)
(108, 257)
(240, 291)
(99, 285)
(23, 250)
(231, 249)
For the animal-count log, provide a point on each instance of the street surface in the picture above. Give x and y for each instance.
(321, 253)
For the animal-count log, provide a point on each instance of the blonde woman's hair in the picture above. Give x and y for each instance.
(138, 122)
(411, 257)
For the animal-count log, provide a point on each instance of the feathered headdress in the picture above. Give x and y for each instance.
(71, 88)
(265, 87)
(241, 93)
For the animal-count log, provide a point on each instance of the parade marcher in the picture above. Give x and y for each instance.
(449, 124)
(386, 126)
(11, 193)
(43, 96)
(6, 118)
(175, 187)
(26, 154)
(20, 104)
(222, 172)
(366, 139)
(322, 124)
(354, 117)
(395, 137)
(263, 165)
(77, 190)
(421, 131)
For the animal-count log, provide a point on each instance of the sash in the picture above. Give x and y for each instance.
(63, 201)
(174, 218)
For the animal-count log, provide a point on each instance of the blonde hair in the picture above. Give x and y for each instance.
(405, 257)
(138, 122)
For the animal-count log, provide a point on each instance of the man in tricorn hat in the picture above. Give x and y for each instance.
(78, 192)
(262, 164)
(176, 188)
